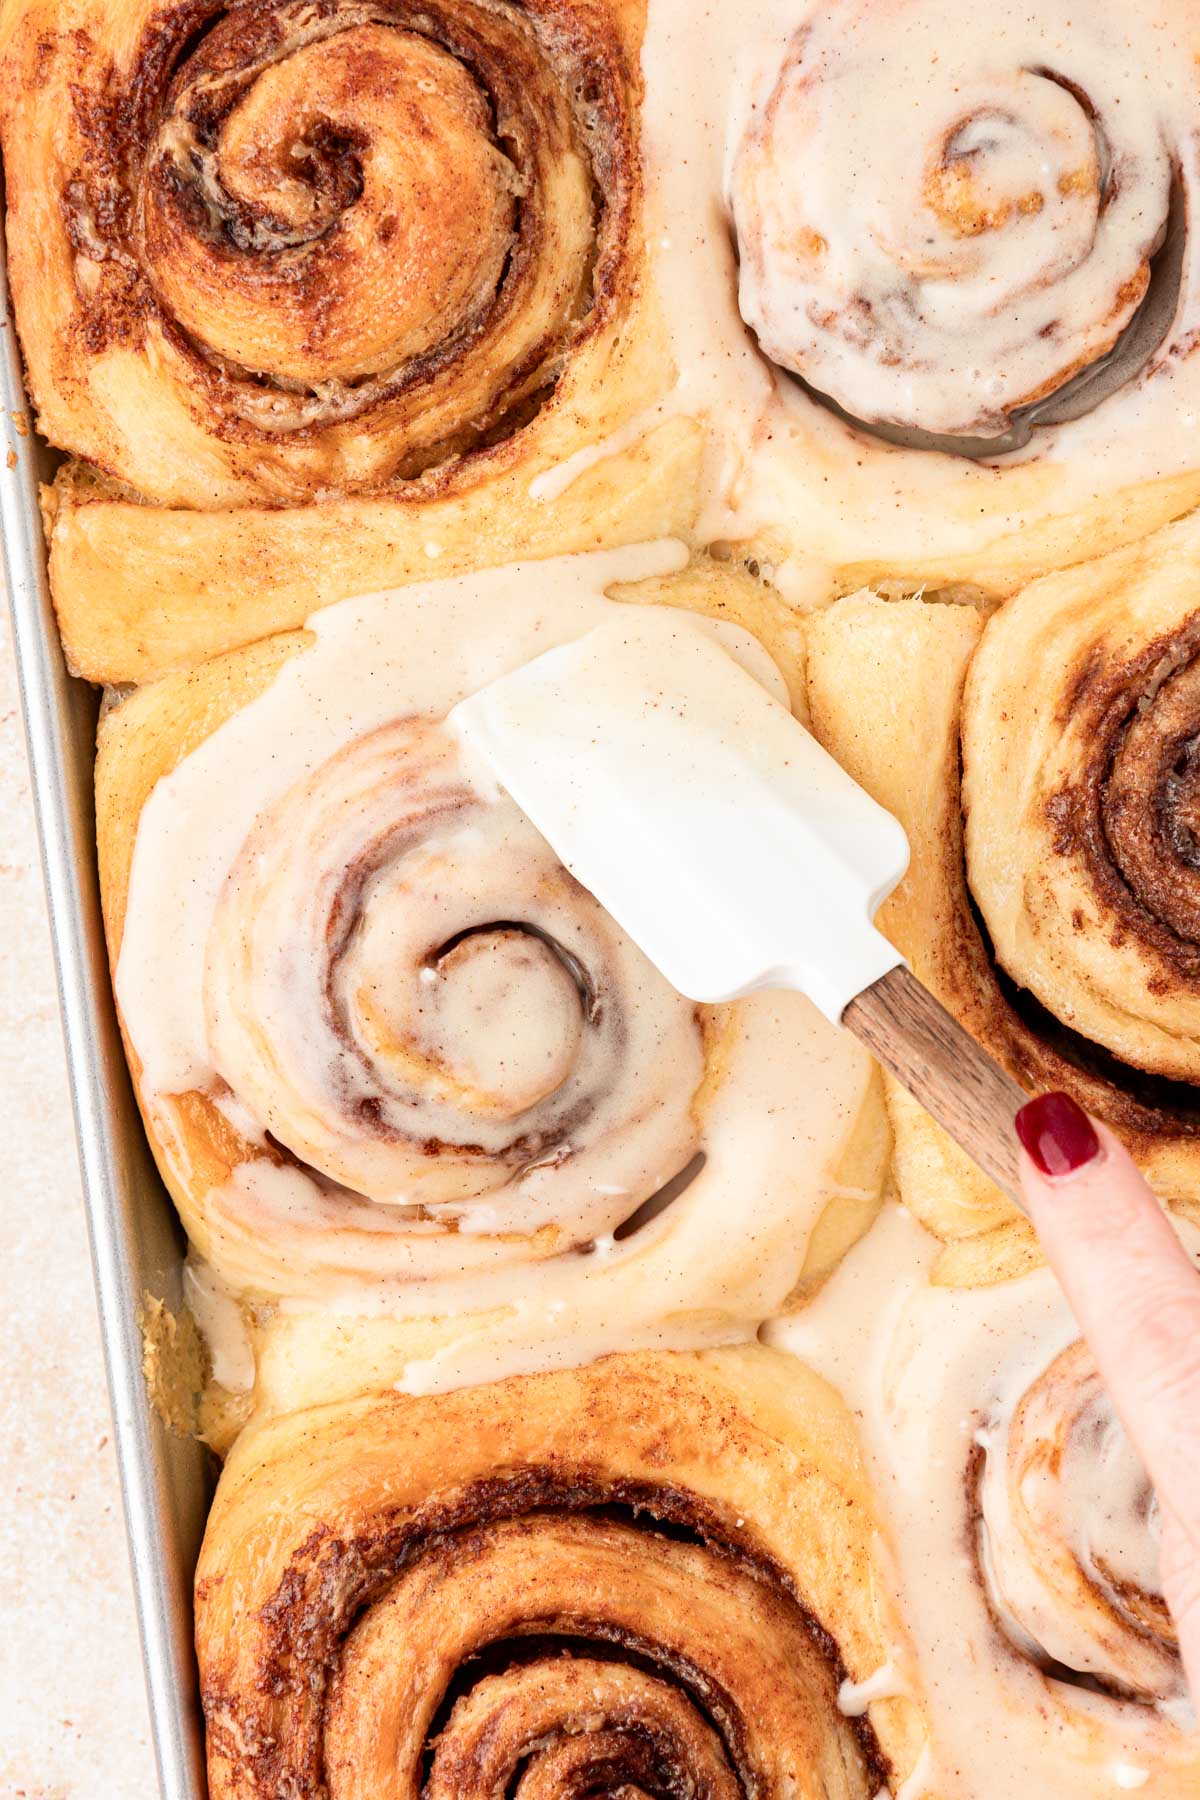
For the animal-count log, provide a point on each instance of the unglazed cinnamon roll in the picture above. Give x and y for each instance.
(1025, 1532)
(1051, 896)
(650, 1577)
(930, 276)
(270, 259)
(395, 1061)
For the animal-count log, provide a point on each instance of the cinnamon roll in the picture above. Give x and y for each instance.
(1067, 1533)
(394, 1061)
(1025, 1532)
(1042, 763)
(268, 260)
(930, 277)
(649, 1577)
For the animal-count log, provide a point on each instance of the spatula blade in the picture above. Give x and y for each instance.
(730, 846)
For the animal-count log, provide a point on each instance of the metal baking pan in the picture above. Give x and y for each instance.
(136, 1242)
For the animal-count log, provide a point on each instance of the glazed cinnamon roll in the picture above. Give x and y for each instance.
(394, 1061)
(1043, 764)
(650, 1577)
(1068, 1534)
(283, 256)
(1025, 1532)
(931, 278)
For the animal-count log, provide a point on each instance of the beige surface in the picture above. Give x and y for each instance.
(72, 1708)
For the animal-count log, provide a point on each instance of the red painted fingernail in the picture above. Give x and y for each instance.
(1057, 1133)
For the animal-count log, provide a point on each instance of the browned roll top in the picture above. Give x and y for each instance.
(372, 229)
(578, 1727)
(576, 1641)
(1100, 967)
(402, 1597)
(1046, 766)
(1134, 810)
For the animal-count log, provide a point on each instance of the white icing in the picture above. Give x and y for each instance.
(930, 1373)
(222, 1325)
(909, 306)
(554, 481)
(841, 151)
(854, 1697)
(556, 1122)
(360, 677)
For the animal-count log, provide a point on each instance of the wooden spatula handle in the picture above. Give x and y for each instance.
(955, 1080)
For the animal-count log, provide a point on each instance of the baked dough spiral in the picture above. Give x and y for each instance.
(346, 241)
(395, 1061)
(1068, 1535)
(985, 260)
(931, 278)
(358, 1007)
(1025, 1533)
(646, 1578)
(278, 257)
(1051, 897)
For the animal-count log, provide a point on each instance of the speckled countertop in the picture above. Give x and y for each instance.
(73, 1722)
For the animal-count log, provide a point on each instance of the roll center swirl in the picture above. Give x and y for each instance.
(1070, 1537)
(421, 1004)
(497, 1017)
(617, 1583)
(361, 238)
(999, 166)
(1151, 800)
(628, 1664)
(954, 282)
(360, 170)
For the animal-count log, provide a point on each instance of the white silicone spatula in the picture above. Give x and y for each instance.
(730, 846)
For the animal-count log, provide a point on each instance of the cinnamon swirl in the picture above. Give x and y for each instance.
(649, 1577)
(272, 258)
(930, 277)
(1025, 1531)
(1050, 900)
(394, 1061)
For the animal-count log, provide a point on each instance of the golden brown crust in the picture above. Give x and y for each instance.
(699, 1524)
(1009, 560)
(140, 591)
(1057, 926)
(346, 242)
(332, 341)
